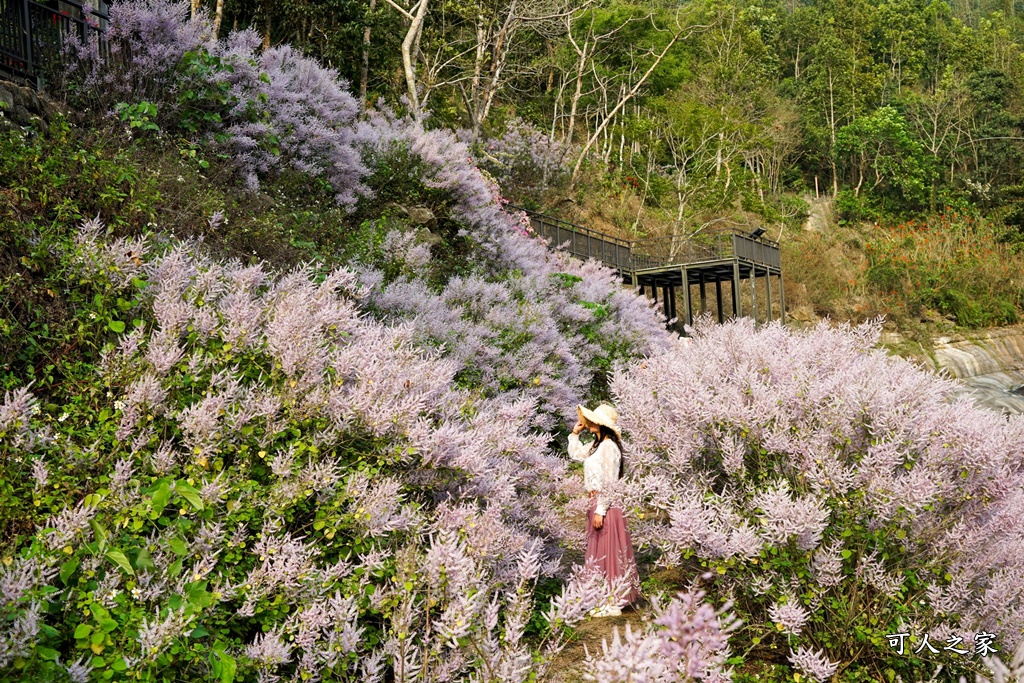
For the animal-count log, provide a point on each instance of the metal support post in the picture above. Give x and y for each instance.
(737, 306)
(753, 292)
(703, 295)
(687, 304)
(718, 296)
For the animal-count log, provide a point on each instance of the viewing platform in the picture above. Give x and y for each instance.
(724, 260)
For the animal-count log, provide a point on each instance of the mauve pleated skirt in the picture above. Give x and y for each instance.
(611, 549)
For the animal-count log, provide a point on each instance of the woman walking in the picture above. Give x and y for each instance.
(608, 542)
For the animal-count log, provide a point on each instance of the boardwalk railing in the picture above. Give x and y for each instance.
(33, 34)
(627, 255)
(715, 246)
(580, 241)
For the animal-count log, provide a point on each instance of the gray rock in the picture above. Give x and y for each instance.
(424, 236)
(420, 215)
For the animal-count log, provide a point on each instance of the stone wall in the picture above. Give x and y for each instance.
(20, 106)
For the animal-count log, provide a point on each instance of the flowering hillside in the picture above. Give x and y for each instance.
(348, 470)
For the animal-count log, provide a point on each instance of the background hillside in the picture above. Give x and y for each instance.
(893, 118)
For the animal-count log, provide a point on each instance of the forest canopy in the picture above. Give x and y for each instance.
(896, 107)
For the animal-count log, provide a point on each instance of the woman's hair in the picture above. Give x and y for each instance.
(607, 433)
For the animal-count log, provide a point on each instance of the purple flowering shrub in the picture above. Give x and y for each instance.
(518, 317)
(565, 323)
(260, 109)
(295, 488)
(524, 161)
(841, 494)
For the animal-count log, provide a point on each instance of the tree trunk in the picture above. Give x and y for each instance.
(218, 17)
(364, 69)
(408, 61)
(622, 102)
(195, 8)
(478, 70)
(578, 94)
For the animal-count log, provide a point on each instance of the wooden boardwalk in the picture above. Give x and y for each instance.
(723, 260)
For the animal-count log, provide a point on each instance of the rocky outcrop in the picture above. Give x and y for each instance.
(21, 106)
(990, 364)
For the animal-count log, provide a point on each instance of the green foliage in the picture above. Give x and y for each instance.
(204, 91)
(141, 115)
(885, 158)
(853, 208)
(957, 266)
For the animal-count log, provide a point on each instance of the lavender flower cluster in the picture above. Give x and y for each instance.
(528, 331)
(686, 640)
(286, 108)
(749, 443)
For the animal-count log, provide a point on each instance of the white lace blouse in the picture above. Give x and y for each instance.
(600, 468)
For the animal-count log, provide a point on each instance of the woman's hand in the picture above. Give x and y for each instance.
(598, 521)
(578, 428)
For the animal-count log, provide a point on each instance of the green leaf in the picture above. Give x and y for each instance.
(67, 569)
(83, 631)
(100, 532)
(178, 546)
(846, 554)
(198, 632)
(118, 558)
(46, 653)
(225, 666)
(160, 497)
(119, 664)
(116, 326)
(143, 560)
(190, 494)
(174, 569)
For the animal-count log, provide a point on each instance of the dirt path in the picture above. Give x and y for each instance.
(568, 666)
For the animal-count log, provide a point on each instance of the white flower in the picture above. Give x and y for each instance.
(118, 405)
(63, 416)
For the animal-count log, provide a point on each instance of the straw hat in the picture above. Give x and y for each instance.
(604, 414)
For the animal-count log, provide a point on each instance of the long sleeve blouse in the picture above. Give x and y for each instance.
(600, 468)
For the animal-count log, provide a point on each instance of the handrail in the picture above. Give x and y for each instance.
(581, 229)
(663, 252)
(33, 35)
